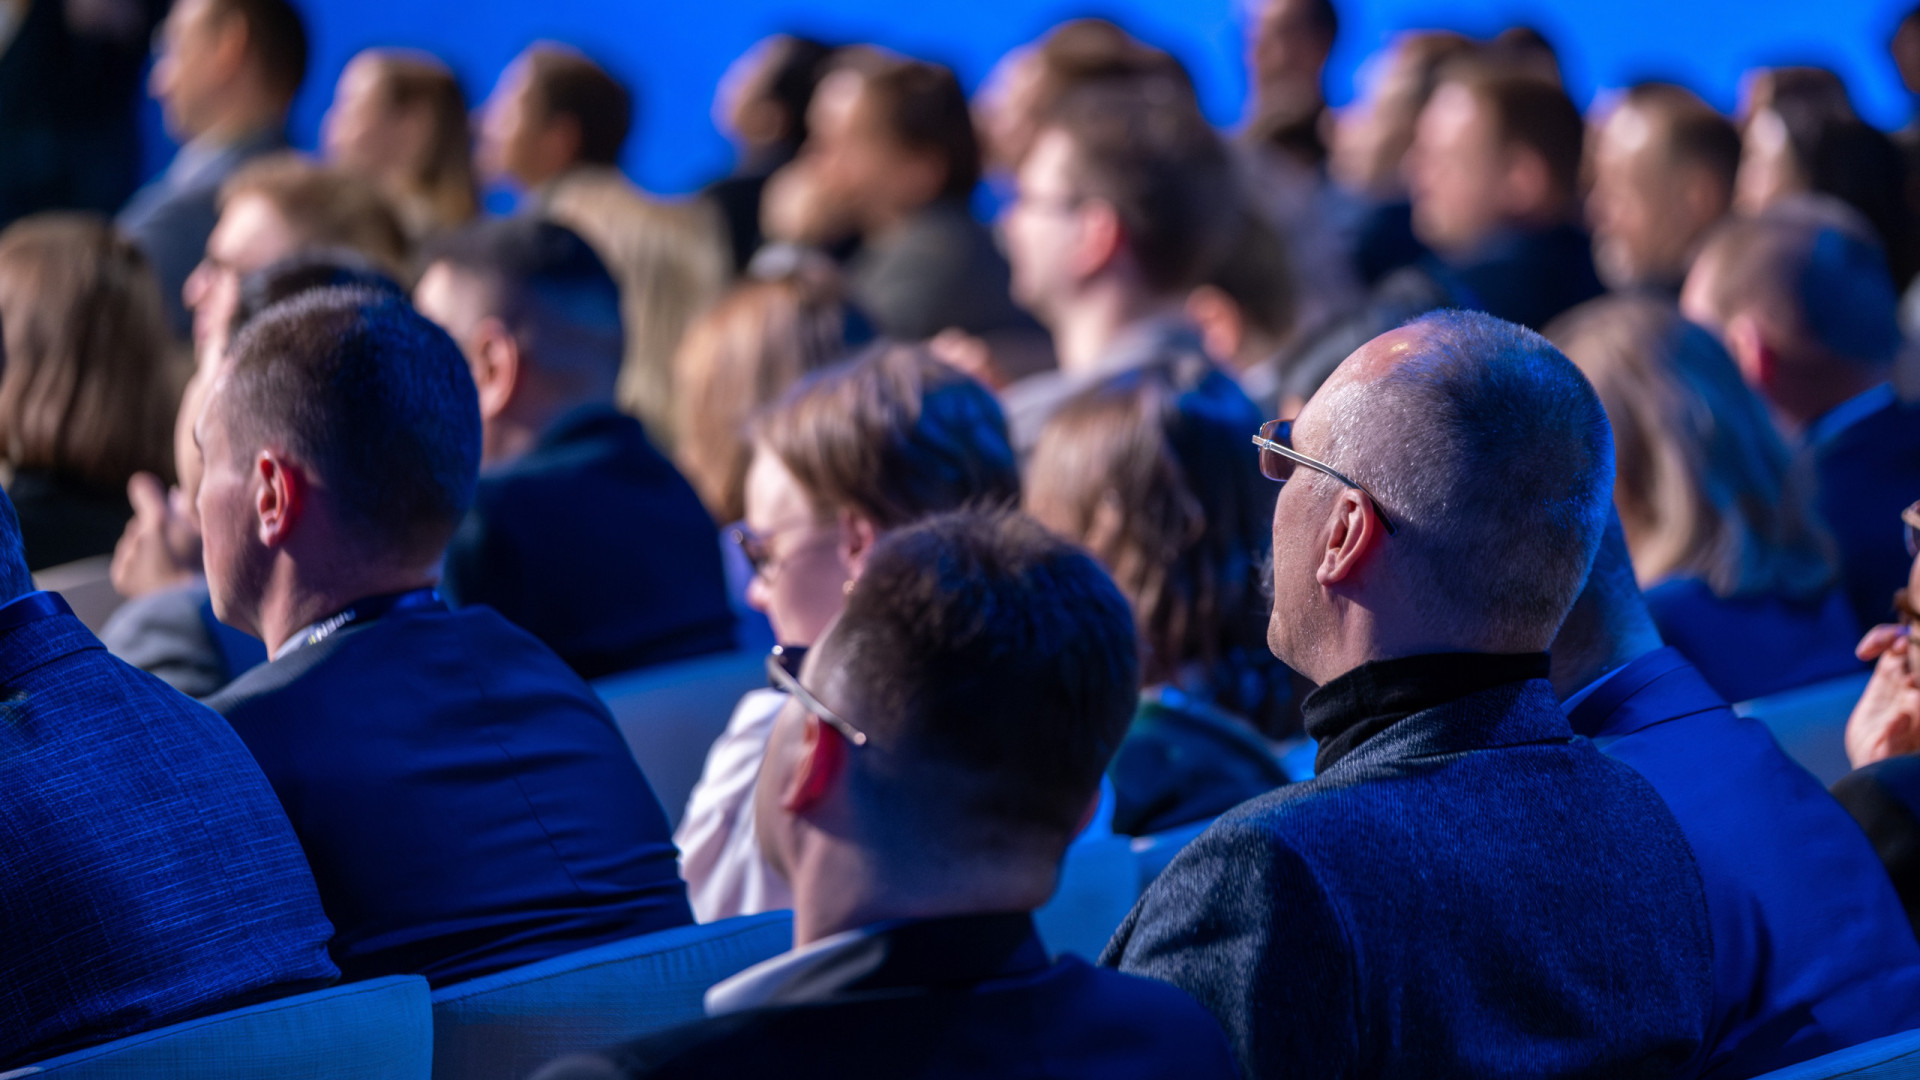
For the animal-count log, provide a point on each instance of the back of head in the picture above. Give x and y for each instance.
(563, 83)
(921, 108)
(550, 289)
(1495, 455)
(1151, 472)
(376, 400)
(88, 391)
(1143, 147)
(326, 207)
(1531, 112)
(324, 268)
(1706, 487)
(276, 41)
(784, 78)
(893, 435)
(993, 667)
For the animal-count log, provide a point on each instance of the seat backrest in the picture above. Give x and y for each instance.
(87, 587)
(1896, 1057)
(381, 1029)
(1810, 723)
(1153, 853)
(1099, 882)
(671, 714)
(508, 1024)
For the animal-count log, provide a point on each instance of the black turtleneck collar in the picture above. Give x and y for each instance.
(1371, 698)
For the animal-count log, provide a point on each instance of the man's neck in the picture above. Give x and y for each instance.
(1088, 328)
(844, 888)
(292, 604)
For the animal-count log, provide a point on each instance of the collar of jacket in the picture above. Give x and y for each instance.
(1373, 697)
(922, 953)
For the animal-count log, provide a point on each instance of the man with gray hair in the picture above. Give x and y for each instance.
(1466, 889)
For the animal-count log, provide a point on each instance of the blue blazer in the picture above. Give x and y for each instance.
(970, 996)
(465, 800)
(1752, 646)
(1812, 951)
(1472, 892)
(595, 544)
(149, 874)
(1869, 472)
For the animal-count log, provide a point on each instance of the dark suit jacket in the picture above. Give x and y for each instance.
(1529, 276)
(1884, 798)
(1472, 892)
(939, 269)
(1811, 950)
(173, 635)
(973, 996)
(1869, 472)
(1183, 762)
(595, 544)
(465, 800)
(1751, 646)
(62, 519)
(150, 875)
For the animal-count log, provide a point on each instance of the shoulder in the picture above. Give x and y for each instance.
(1883, 786)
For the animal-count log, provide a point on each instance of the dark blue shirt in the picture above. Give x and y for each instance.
(465, 800)
(1529, 276)
(1751, 646)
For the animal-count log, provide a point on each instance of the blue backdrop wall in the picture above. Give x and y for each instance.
(673, 53)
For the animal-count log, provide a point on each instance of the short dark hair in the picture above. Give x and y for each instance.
(1694, 134)
(1143, 147)
(895, 435)
(550, 288)
(375, 399)
(921, 107)
(303, 272)
(993, 665)
(563, 82)
(1529, 111)
(276, 38)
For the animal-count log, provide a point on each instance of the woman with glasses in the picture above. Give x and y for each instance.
(849, 454)
(1739, 572)
(1152, 474)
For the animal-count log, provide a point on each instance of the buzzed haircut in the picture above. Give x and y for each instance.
(276, 39)
(376, 399)
(548, 286)
(1143, 147)
(328, 207)
(304, 272)
(562, 82)
(1813, 264)
(1693, 133)
(1531, 111)
(993, 667)
(1494, 454)
(921, 107)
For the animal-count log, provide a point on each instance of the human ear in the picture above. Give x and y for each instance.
(497, 366)
(1353, 531)
(821, 757)
(1101, 237)
(858, 534)
(1751, 354)
(279, 498)
(1222, 327)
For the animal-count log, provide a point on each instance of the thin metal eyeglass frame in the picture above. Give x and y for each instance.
(1266, 441)
(787, 682)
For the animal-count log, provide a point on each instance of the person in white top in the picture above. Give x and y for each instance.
(856, 451)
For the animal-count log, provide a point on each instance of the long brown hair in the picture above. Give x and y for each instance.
(89, 389)
(1705, 485)
(441, 193)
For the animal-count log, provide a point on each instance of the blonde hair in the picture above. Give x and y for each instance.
(327, 207)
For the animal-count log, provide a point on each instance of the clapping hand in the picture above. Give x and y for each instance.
(161, 545)
(1886, 721)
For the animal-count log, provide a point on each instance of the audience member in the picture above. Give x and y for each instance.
(1125, 202)
(1288, 42)
(1245, 309)
(1150, 474)
(979, 679)
(1494, 172)
(1458, 834)
(553, 112)
(581, 533)
(225, 74)
(848, 455)
(151, 876)
(167, 627)
(1810, 953)
(739, 357)
(399, 120)
(1740, 575)
(762, 106)
(88, 386)
(464, 799)
(1664, 164)
(1801, 299)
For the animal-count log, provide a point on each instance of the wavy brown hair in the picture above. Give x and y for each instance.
(89, 390)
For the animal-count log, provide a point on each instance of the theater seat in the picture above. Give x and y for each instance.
(671, 714)
(507, 1024)
(1099, 882)
(1810, 723)
(380, 1029)
(1896, 1057)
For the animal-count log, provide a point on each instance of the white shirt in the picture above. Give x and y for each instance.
(755, 986)
(719, 851)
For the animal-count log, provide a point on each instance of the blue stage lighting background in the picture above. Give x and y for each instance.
(674, 54)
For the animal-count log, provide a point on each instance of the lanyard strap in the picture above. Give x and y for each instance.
(32, 607)
(369, 610)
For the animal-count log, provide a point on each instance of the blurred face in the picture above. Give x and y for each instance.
(1644, 225)
(190, 70)
(801, 584)
(1286, 50)
(251, 234)
(1455, 172)
(1004, 107)
(515, 144)
(360, 133)
(1768, 171)
(858, 166)
(235, 559)
(1370, 136)
(1043, 227)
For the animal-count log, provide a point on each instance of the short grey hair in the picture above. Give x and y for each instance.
(1493, 454)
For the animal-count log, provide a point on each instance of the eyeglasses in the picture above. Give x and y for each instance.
(758, 547)
(1278, 460)
(1910, 523)
(780, 677)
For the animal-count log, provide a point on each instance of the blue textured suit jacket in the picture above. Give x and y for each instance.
(1811, 949)
(1472, 892)
(147, 874)
(465, 800)
(939, 999)
(1751, 646)
(1869, 472)
(595, 544)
